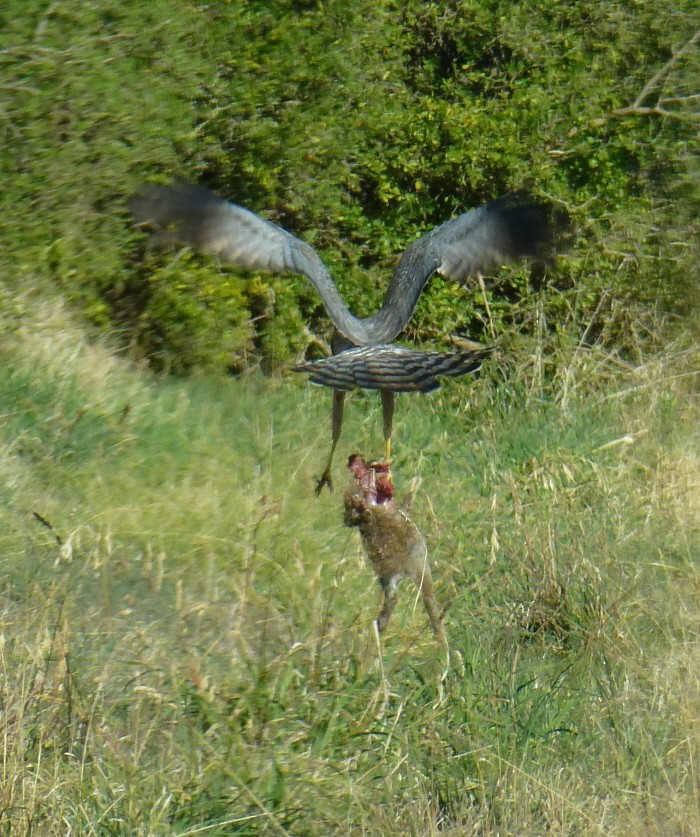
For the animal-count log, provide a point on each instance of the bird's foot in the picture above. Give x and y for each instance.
(379, 466)
(325, 480)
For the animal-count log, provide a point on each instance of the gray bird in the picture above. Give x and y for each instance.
(476, 242)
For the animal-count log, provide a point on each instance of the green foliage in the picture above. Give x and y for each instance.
(187, 315)
(185, 644)
(357, 129)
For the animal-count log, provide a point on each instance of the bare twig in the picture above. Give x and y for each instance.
(639, 108)
(43, 23)
(49, 526)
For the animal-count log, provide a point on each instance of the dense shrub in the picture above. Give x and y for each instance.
(356, 128)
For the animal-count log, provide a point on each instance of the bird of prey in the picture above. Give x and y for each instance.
(478, 241)
(390, 369)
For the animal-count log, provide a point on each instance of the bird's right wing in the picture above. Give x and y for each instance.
(478, 241)
(484, 239)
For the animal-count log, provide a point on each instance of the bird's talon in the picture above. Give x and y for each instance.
(324, 480)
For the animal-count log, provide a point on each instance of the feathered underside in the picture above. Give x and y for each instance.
(391, 368)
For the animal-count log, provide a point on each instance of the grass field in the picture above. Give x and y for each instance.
(186, 643)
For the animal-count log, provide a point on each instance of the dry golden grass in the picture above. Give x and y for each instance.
(186, 645)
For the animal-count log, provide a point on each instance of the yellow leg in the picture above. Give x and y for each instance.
(388, 399)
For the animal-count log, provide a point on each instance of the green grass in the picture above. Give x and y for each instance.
(185, 636)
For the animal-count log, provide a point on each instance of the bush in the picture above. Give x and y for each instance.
(356, 129)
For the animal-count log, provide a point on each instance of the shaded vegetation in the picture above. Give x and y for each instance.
(185, 642)
(357, 129)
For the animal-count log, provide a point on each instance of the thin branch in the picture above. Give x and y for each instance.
(655, 81)
(48, 525)
(657, 111)
(666, 69)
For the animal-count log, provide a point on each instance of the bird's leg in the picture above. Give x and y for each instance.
(388, 399)
(336, 426)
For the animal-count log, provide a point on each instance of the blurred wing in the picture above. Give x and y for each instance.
(210, 225)
(391, 368)
(479, 241)
(483, 240)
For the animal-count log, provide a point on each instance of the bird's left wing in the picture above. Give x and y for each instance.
(192, 215)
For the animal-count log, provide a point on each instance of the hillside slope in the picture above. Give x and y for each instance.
(186, 640)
